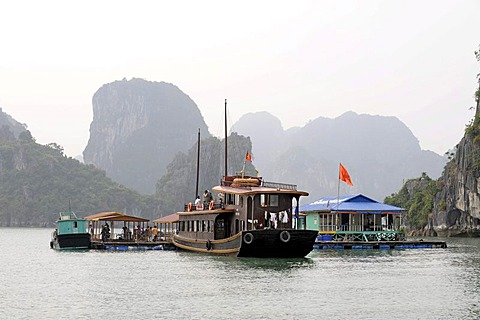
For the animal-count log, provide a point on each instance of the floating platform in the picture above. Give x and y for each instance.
(132, 245)
(385, 245)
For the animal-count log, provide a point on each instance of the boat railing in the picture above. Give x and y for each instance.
(217, 205)
(277, 185)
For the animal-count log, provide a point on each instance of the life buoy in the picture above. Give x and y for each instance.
(211, 205)
(248, 238)
(209, 244)
(189, 206)
(285, 236)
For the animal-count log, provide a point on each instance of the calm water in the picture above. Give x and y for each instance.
(40, 283)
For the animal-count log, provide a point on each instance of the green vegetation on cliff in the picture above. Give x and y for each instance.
(177, 186)
(36, 181)
(417, 196)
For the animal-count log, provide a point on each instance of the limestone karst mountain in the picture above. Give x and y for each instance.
(138, 127)
(11, 125)
(380, 153)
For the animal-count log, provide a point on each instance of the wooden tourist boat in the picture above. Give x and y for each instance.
(251, 218)
(240, 221)
(71, 233)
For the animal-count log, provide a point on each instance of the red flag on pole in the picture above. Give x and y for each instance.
(248, 157)
(344, 176)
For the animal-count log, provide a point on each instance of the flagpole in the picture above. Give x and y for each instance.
(243, 169)
(338, 196)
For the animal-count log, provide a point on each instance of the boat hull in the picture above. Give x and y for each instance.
(264, 243)
(76, 241)
(277, 243)
(223, 246)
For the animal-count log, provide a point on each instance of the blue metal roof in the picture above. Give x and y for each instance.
(352, 203)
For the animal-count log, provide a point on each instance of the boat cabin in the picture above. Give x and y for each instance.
(68, 223)
(243, 203)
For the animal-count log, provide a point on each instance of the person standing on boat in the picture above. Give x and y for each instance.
(207, 197)
(148, 234)
(198, 203)
(155, 232)
(105, 232)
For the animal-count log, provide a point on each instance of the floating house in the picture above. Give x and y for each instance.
(354, 218)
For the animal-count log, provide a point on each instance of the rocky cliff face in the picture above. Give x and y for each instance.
(10, 124)
(138, 126)
(457, 205)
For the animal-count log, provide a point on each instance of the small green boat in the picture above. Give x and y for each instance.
(71, 233)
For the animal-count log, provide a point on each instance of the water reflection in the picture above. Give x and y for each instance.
(275, 263)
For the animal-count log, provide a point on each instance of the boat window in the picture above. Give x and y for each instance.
(273, 200)
(269, 200)
(75, 224)
(230, 199)
(263, 200)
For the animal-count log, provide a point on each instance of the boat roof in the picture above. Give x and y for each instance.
(357, 203)
(204, 212)
(114, 216)
(171, 218)
(68, 215)
(256, 190)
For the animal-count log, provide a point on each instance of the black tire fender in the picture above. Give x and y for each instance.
(285, 236)
(248, 238)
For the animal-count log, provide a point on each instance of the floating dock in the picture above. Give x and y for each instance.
(132, 245)
(385, 245)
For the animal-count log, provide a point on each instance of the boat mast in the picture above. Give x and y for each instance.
(198, 164)
(226, 173)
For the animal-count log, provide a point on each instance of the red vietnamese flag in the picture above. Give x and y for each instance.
(248, 157)
(344, 176)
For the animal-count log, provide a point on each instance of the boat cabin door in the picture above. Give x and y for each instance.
(222, 227)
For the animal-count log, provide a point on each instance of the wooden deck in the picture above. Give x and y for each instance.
(356, 245)
(125, 245)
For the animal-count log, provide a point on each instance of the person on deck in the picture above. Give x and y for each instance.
(104, 233)
(198, 204)
(207, 197)
(148, 233)
(155, 232)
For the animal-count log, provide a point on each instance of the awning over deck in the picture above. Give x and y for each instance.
(114, 216)
(172, 218)
(351, 204)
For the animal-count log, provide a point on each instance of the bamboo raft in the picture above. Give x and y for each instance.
(386, 245)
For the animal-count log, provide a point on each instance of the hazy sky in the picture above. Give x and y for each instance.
(298, 60)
